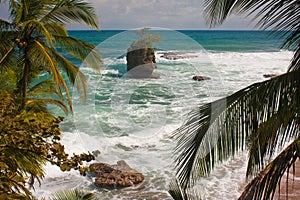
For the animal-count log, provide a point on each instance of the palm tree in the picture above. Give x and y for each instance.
(34, 40)
(259, 118)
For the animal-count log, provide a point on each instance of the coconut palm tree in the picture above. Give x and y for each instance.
(35, 41)
(260, 118)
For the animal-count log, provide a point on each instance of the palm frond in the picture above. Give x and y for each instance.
(264, 185)
(281, 16)
(218, 130)
(7, 59)
(273, 134)
(25, 161)
(56, 29)
(81, 50)
(40, 29)
(8, 52)
(75, 76)
(41, 103)
(43, 57)
(176, 191)
(13, 7)
(217, 11)
(8, 80)
(5, 25)
(14, 191)
(295, 64)
(43, 87)
(72, 11)
(74, 195)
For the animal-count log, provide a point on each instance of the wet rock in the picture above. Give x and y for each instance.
(141, 63)
(270, 75)
(176, 56)
(115, 176)
(201, 78)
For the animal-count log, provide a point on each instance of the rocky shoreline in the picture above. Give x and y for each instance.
(115, 176)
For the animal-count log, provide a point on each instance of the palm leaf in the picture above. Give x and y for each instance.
(264, 185)
(37, 27)
(176, 191)
(218, 130)
(56, 29)
(81, 50)
(7, 59)
(75, 76)
(8, 80)
(72, 11)
(14, 191)
(5, 25)
(40, 104)
(42, 88)
(28, 163)
(295, 64)
(43, 57)
(8, 54)
(281, 16)
(273, 134)
(74, 195)
(41, 94)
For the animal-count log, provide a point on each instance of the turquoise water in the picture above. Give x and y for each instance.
(132, 119)
(211, 40)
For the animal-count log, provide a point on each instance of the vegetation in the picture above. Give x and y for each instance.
(34, 73)
(27, 141)
(32, 43)
(145, 40)
(74, 194)
(260, 118)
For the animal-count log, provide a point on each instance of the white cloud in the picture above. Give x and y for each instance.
(173, 14)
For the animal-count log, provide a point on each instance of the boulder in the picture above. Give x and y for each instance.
(115, 176)
(141, 63)
(201, 78)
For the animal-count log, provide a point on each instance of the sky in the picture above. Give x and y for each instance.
(169, 14)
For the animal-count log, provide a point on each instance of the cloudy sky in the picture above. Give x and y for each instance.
(171, 14)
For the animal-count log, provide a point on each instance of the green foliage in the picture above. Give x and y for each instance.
(29, 45)
(27, 141)
(74, 195)
(146, 40)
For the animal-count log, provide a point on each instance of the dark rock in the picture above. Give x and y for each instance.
(270, 75)
(115, 176)
(141, 63)
(176, 56)
(200, 78)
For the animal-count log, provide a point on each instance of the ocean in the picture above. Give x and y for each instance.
(133, 119)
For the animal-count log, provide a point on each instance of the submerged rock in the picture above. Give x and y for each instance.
(176, 56)
(270, 75)
(201, 78)
(115, 176)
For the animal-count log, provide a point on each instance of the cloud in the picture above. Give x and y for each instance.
(173, 14)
